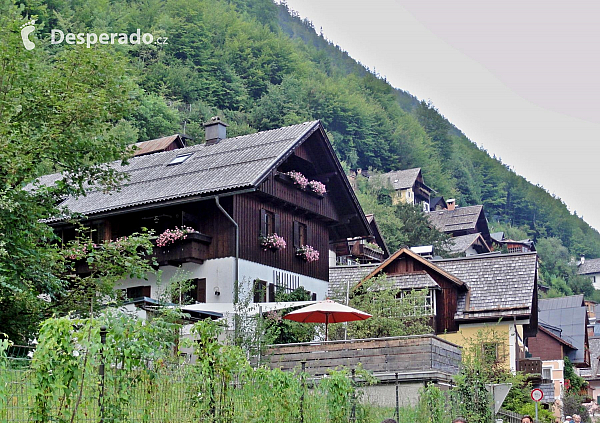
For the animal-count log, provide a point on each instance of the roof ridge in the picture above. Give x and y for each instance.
(492, 254)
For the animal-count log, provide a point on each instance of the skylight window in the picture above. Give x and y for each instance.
(180, 158)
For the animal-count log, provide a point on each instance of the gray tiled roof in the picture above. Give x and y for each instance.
(561, 302)
(589, 266)
(460, 218)
(401, 179)
(497, 236)
(500, 285)
(341, 276)
(569, 314)
(460, 244)
(233, 163)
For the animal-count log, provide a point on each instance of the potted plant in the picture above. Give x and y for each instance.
(317, 187)
(272, 242)
(171, 235)
(299, 179)
(307, 253)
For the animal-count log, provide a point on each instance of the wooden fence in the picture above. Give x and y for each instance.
(403, 355)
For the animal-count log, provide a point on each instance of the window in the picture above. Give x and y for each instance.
(422, 305)
(269, 222)
(180, 158)
(138, 292)
(490, 352)
(197, 292)
(418, 304)
(260, 291)
(300, 234)
(547, 373)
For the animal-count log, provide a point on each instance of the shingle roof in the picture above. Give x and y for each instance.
(589, 266)
(460, 244)
(341, 276)
(461, 218)
(500, 285)
(401, 179)
(413, 281)
(152, 146)
(569, 314)
(233, 163)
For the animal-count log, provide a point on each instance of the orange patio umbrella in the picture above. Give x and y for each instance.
(326, 312)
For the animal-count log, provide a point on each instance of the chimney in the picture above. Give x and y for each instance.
(582, 260)
(215, 130)
(451, 203)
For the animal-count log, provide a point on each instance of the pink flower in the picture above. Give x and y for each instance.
(308, 253)
(273, 242)
(298, 178)
(317, 187)
(171, 235)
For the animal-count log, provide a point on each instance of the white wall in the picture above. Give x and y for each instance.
(219, 273)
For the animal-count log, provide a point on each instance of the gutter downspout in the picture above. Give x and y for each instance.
(236, 317)
(237, 251)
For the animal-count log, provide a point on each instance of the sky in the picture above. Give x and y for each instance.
(519, 78)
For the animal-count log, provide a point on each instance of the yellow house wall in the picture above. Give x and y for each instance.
(467, 334)
(402, 196)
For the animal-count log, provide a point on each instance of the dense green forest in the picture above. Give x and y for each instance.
(259, 66)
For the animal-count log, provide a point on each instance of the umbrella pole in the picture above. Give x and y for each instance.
(326, 324)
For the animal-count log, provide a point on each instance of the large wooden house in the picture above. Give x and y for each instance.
(233, 192)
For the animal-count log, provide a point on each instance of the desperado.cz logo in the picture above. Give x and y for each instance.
(90, 38)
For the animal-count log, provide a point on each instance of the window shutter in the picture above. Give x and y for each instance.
(201, 290)
(263, 222)
(271, 298)
(309, 238)
(277, 224)
(296, 234)
(257, 287)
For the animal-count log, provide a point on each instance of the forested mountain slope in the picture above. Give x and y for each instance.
(260, 67)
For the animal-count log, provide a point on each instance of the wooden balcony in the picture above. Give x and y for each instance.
(192, 249)
(367, 254)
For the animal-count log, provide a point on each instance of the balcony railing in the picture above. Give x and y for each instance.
(192, 249)
(365, 253)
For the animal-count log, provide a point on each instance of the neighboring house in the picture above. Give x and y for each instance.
(465, 295)
(551, 346)
(458, 221)
(591, 269)
(569, 316)
(468, 245)
(172, 142)
(370, 249)
(232, 192)
(512, 246)
(408, 187)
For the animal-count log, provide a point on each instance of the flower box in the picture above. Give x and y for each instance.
(314, 188)
(307, 253)
(272, 242)
(191, 249)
